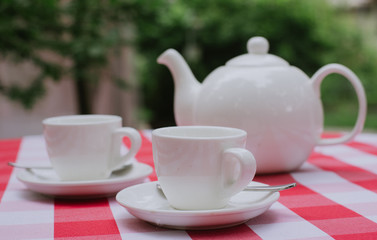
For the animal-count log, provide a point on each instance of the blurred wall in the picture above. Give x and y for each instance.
(15, 120)
(60, 98)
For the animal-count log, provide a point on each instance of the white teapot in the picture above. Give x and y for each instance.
(278, 105)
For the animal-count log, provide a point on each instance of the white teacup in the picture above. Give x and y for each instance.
(201, 167)
(88, 147)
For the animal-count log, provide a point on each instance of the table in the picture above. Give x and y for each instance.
(336, 197)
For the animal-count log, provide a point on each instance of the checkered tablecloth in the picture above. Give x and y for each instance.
(336, 198)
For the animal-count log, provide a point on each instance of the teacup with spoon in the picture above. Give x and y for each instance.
(202, 167)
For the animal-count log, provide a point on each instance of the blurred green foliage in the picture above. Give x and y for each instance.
(308, 34)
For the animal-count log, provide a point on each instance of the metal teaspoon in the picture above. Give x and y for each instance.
(30, 166)
(258, 188)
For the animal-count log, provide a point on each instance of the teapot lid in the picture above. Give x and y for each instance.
(257, 55)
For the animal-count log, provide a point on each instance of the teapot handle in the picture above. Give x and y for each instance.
(356, 83)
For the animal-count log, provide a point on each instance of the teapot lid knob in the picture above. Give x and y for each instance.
(257, 45)
(257, 55)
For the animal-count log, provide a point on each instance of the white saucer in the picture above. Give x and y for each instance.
(46, 181)
(147, 203)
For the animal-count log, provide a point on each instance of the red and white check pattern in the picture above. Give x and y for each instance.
(336, 198)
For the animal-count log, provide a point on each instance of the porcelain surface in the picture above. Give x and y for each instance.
(201, 167)
(278, 105)
(45, 181)
(147, 203)
(87, 147)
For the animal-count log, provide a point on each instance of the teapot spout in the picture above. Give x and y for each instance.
(186, 86)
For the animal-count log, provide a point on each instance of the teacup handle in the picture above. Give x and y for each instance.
(356, 83)
(247, 169)
(118, 160)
